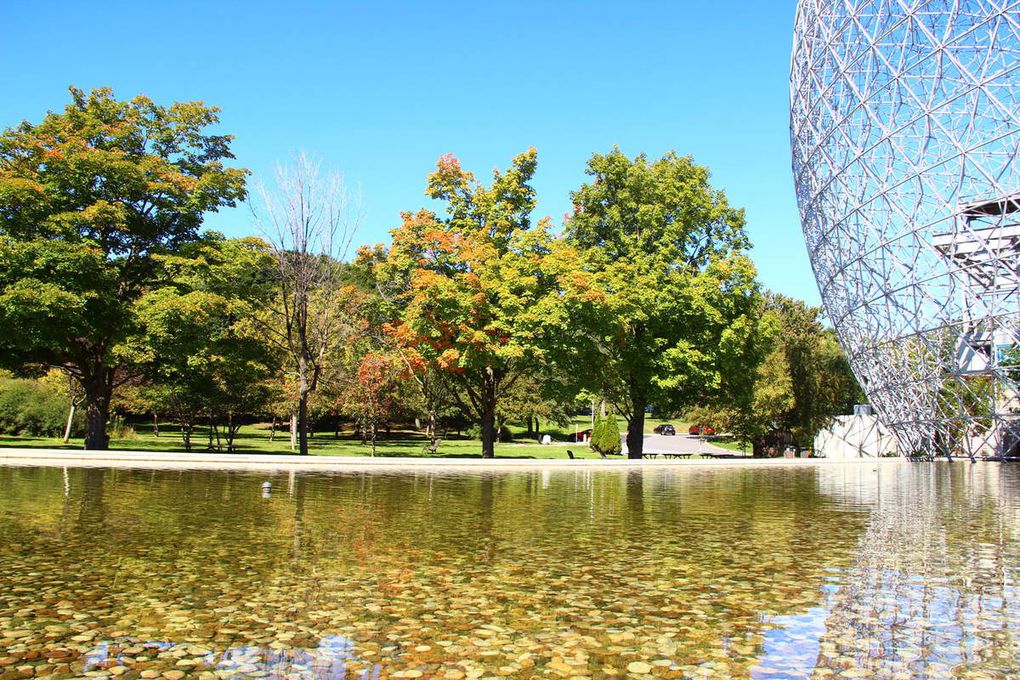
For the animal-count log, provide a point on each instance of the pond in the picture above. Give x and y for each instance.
(895, 570)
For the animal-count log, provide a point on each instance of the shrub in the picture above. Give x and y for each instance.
(605, 437)
(596, 430)
(29, 408)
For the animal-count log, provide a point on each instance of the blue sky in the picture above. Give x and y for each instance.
(381, 89)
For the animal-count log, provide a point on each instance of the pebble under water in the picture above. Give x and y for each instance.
(892, 570)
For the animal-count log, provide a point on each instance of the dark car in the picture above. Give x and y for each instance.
(665, 429)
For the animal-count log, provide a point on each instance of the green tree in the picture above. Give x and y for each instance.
(479, 300)
(198, 342)
(756, 388)
(786, 382)
(88, 198)
(822, 383)
(666, 251)
(547, 397)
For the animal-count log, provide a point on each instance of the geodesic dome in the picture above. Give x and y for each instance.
(905, 127)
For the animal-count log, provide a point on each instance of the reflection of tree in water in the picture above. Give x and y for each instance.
(636, 497)
(573, 565)
(933, 591)
(91, 514)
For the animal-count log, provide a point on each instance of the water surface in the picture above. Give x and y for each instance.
(890, 571)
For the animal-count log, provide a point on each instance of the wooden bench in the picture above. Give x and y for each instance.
(667, 455)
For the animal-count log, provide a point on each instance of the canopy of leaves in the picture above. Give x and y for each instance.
(666, 253)
(87, 198)
(793, 377)
(198, 341)
(476, 289)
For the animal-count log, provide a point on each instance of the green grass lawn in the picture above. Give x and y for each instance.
(255, 439)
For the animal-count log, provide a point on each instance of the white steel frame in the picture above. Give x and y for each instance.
(905, 128)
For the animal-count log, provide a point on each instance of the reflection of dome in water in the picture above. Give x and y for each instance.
(905, 123)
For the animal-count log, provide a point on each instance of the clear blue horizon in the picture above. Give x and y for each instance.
(380, 92)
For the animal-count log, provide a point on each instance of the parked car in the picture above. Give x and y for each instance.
(582, 436)
(666, 429)
(696, 430)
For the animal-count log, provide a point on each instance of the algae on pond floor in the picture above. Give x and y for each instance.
(654, 573)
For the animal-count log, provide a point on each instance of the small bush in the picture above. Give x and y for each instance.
(605, 437)
(29, 408)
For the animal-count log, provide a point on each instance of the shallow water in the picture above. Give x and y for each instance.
(894, 571)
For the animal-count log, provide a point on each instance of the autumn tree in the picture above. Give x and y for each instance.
(426, 389)
(371, 396)
(309, 219)
(479, 302)
(667, 252)
(88, 198)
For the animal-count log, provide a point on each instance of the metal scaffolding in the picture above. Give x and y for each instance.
(905, 127)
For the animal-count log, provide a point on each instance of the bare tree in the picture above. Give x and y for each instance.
(309, 219)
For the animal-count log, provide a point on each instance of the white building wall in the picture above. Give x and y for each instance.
(859, 436)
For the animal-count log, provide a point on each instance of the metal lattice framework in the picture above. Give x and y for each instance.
(905, 126)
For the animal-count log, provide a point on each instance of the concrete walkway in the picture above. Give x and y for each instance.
(238, 461)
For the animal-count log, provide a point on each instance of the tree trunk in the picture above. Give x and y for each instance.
(303, 424)
(531, 427)
(272, 430)
(293, 431)
(155, 423)
(70, 420)
(230, 432)
(488, 398)
(636, 428)
(186, 430)
(430, 432)
(98, 392)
